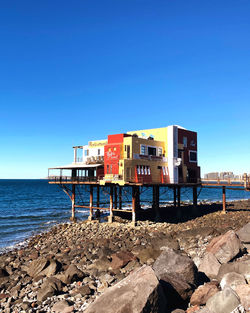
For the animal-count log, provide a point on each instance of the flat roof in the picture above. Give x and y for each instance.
(75, 165)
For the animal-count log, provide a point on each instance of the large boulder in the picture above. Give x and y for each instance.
(210, 265)
(225, 247)
(120, 259)
(43, 267)
(241, 267)
(70, 275)
(140, 292)
(177, 274)
(232, 280)
(172, 262)
(244, 235)
(224, 301)
(50, 287)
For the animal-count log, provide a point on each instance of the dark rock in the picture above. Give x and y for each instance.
(51, 286)
(83, 291)
(70, 275)
(171, 262)
(3, 273)
(127, 295)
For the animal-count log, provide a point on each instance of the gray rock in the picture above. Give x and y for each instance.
(240, 267)
(51, 286)
(37, 266)
(224, 301)
(171, 262)
(244, 233)
(140, 292)
(232, 279)
(225, 247)
(209, 265)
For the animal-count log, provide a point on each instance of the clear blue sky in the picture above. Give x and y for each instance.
(72, 71)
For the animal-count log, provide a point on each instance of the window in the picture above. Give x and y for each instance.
(110, 168)
(107, 169)
(114, 148)
(185, 142)
(142, 170)
(143, 150)
(86, 152)
(192, 156)
(98, 151)
(151, 151)
(159, 151)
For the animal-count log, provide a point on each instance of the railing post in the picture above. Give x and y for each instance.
(223, 199)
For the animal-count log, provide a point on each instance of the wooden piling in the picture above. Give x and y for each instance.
(133, 205)
(174, 190)
(115, 197)
(90, 203)
(223, 199)
(156, 195)
(120, 197)
(97, 213)
(179, 196)
(73, 196)
(111, 205)
(194, 200)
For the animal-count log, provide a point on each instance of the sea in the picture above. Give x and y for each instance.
(29, 206)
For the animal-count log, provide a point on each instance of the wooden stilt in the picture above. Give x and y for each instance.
(73, 203)
(91, 203)
(111, 206)
(179, 196)
(120, 197)
(115, 197)
(174, 190)
(97, 214)
(156, 201)
(133, 205)
(224, 199)
(194, 199)
(137, 198)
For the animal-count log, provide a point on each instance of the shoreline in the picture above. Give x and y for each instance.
(24, 242)
(83, 259)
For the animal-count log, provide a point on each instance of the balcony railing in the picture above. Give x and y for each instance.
(76, 179)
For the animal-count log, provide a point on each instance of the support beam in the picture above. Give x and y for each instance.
(91, 203)
(115, 197)
(174, 190)
(224, 199)
(97, 213)
(194, 200)
(73, 197)
(133, 205)
(111, 206)
(179, 196)
(137, 198)
(120, 197)
(156, 195)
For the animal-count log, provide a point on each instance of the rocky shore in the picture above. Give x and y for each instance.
(197, 262)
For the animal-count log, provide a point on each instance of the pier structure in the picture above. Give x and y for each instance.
(157, 158)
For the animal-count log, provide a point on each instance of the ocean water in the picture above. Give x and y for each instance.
(28, 207)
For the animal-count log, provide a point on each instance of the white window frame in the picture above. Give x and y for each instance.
(189, 156)
(160, 151)
(146, 149)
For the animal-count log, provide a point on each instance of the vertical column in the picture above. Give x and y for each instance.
(97, 213)
(156, 201)
(73, 202)
(120, 197)
(133, 205)
(111, 204)
(224, 199)
(194, 199)
(174, 190)
(91, 203)
(115, 197)
(179, 196)
(137, 198)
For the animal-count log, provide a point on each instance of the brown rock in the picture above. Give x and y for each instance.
(127, 295)
(209, 265)
(203, 293)
(121, 259)
(243, 291)
(224, 247)
(193, 309)
(37, 266)
(62, 307)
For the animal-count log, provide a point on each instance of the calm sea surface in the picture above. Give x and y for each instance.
(31, 206)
